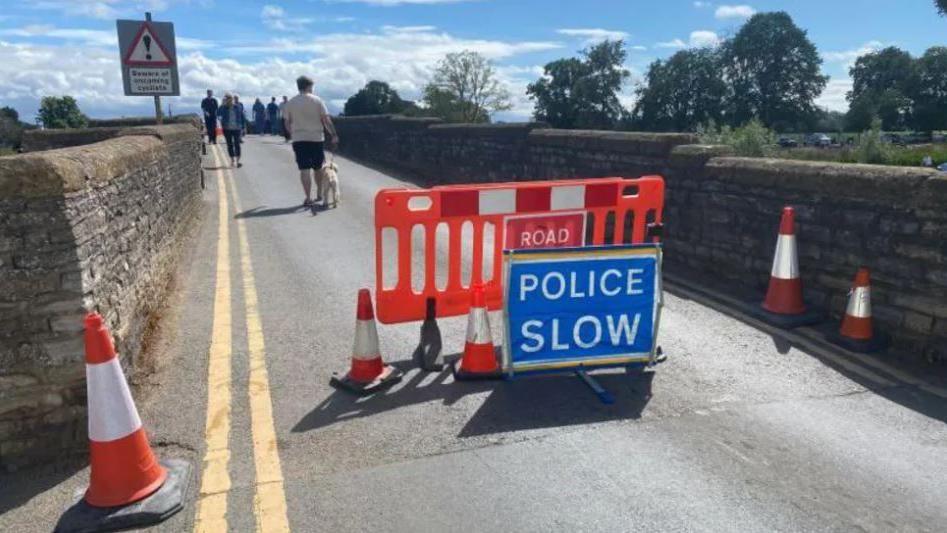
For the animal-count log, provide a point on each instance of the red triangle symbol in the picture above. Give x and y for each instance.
(146, 50)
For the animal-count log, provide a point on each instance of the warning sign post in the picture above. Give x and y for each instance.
(149, 59)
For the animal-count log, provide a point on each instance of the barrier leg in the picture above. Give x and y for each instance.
(428, 354)
(603, 395)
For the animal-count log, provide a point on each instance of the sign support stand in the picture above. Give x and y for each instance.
(158, 118)
(603, 395)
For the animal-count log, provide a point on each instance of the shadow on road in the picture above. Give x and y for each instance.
(526, 403)
(18, 488)
(257, 212)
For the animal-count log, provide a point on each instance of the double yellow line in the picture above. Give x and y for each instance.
(269, 499)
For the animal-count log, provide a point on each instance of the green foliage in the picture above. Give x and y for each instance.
(882, 85)
(376, 98)
(774, 75)
(941, 6)
(61, 112)
(465, 88)
(904, 92)
(870, 147)
(681, 92)
(750, 140)
(11, 129)
(582, 93)
(930, 100)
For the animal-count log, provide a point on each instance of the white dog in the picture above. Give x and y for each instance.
(329, 184)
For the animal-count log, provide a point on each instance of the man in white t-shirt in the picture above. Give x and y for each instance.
(307, 120)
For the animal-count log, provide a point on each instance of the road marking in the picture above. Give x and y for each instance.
(269, 500)
(215, 480)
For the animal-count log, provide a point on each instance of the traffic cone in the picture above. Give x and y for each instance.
(479, 360)
(857, 332)
(368, 372)
(783, 305)
(128, 487)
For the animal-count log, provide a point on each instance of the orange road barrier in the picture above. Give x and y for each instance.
(783, 305)
(857, 332)
(572, 212)
(479, 360)
(368, 372)
(128, 487)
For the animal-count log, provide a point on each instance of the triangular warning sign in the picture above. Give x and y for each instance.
(146, 50)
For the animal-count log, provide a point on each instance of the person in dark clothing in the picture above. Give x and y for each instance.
(232, 122)
(259, 117)
(272, 117)
(209, 106)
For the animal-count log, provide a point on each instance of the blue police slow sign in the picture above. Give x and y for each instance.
(581, 307)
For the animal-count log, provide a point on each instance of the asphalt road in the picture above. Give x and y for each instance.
(738, 431)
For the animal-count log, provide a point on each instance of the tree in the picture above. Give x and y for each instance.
(681, 93)
(61, 112)
(376, 98)
(582, 93)
(882, 85)
(774, 72)
(830, 121)
(465, 88)
(930, 98)
(941, 6)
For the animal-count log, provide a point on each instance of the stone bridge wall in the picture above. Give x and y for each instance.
(93, 227)
(721, 212)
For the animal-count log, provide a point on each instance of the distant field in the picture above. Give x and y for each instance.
(908, 156)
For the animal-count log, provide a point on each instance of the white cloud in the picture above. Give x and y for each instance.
(593, 35)
(742, 11)
(408, 29)
(676, 43)
(638, 47)
(276, 18)
(702, 38)
(700, 5)
(833, 97)
(848, 57)
(698, 39)
(341, 63)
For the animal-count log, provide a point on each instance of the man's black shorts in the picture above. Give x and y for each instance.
(309, 154)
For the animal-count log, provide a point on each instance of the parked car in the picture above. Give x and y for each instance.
(942, 167)
(786, 142)
(893, 138)
(818, 139)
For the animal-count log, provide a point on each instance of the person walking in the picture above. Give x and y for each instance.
(282, 118)
(272, 116)
(307, 120)
(259, 117)
(232, 122)
(209, 106)
(243, 113)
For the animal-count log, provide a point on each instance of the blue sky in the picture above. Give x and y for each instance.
(258, 48)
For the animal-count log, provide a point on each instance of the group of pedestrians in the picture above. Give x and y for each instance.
(304, 120)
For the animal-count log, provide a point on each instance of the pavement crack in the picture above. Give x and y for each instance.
(173, 444)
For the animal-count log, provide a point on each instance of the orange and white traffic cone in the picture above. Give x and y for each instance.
(784, 305)
(857, 332)
(128, 487)
(368, 372)
(479, 360)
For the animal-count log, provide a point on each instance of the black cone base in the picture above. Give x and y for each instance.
(389, 376)
(167, 500)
